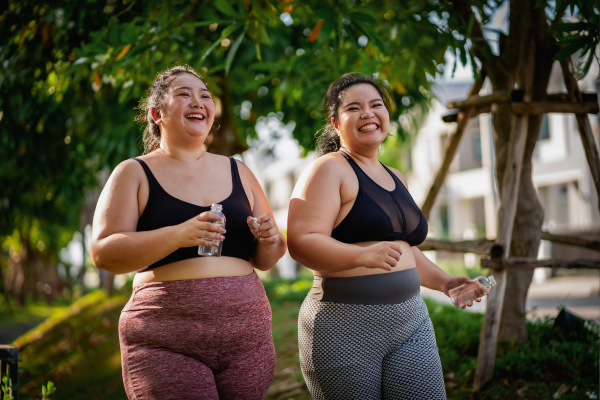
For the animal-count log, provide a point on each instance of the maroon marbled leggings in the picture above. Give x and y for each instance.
(197, 339)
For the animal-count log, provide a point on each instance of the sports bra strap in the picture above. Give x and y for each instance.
(152, 181)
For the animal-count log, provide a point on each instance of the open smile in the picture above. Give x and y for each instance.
(368, 127)
(196, 116)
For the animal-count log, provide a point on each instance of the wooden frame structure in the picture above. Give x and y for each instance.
(573, 102)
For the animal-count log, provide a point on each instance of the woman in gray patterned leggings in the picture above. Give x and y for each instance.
(364, 331)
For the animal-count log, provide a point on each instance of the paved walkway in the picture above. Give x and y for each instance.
(579, 294)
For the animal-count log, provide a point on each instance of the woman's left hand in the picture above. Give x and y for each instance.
(454, 281)
(267, 232)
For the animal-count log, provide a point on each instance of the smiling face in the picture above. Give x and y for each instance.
(187, 112)
(363, 120)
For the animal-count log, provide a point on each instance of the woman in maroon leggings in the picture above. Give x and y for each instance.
(196, 327)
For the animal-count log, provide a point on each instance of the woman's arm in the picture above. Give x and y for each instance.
(117, 247)
(432, 276)
(314, 208)
(271, 244)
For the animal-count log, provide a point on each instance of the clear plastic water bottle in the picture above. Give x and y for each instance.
(467, 293)
(214, 251)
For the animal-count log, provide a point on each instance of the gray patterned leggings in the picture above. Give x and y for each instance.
(380, 351)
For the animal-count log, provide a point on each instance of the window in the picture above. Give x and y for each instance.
(544, 128)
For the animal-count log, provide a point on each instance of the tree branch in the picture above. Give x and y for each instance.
(463, 8)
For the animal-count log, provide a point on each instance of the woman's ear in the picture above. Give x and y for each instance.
(336, 125)
(156, 116)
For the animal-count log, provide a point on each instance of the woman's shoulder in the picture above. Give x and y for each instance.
(129, 167)
(330, 163)
(399, 174)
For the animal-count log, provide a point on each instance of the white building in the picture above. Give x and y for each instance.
(466, 207)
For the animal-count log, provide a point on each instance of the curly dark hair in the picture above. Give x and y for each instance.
(328, 140)
(155, 98)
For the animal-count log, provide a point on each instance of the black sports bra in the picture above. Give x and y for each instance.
(165, 210)
(381, 215)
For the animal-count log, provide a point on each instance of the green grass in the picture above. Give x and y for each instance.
(77, 348)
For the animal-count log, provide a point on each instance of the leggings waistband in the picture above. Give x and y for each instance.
(390, 288)
(198, 293)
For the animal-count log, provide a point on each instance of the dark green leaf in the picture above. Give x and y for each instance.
(364, 18)
(371, 34)
(232, 51)
(566, 51)
(225, 8)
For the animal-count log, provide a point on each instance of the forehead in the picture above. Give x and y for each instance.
(360, 92)
(187, 80)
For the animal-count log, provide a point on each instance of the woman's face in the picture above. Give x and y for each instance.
(363, 120)
(188, 109)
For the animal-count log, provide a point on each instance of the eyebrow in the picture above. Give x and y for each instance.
(189, 88)
(356, 102)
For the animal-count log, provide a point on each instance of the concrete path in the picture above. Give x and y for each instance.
(580, 294)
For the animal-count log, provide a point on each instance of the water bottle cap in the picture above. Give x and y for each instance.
(492, 280)
(216, 207)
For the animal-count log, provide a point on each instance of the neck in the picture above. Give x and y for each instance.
(181, 153)
(366, 156)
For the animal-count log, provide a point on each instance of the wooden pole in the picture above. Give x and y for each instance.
(508, 207)
(463, 120)
(475, 100)
(580, 241)
(587, 106)
(555, 107)
(480, 246)
(585, 130)
(531, 263)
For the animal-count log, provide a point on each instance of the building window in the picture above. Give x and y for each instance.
(544, 128)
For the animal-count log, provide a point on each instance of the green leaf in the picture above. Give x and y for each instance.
(263, 36)
(77, 65)
(226, 8)
(364, 18)
(570, 27)
(371, 34)
(567, 51)
(130, 56)
(233, 50)
(204, 23)
(129, 35)
(226, 32)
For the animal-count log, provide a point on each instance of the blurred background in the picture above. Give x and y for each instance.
(71, 76)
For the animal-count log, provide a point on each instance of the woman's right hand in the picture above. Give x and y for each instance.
(196, 231)
(384, 255)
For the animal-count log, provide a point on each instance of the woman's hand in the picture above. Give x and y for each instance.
(267, 232)
(197, 231)
(384, 255)
(454, 281)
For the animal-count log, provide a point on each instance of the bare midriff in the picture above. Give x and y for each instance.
(195, 268)
(407, 261)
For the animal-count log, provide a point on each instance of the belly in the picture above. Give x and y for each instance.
(407, 261)
(195, 268)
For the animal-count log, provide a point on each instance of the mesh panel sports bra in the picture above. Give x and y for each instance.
(381, 215)
(165, 210)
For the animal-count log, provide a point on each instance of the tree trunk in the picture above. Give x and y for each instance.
(530, 214)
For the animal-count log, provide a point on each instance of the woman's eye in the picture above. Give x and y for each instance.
(184, 94)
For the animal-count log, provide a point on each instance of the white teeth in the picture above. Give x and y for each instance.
(368, 127)
(200, 116)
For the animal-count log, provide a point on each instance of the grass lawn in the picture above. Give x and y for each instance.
(77, 348)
